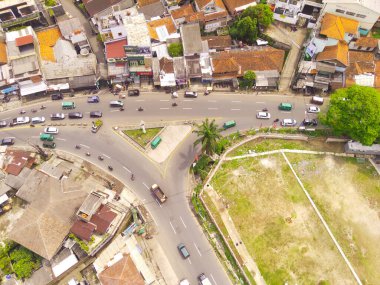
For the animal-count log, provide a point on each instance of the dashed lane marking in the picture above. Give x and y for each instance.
(173, 228)
(213, 279)
(187, 108)
(164, 108)
(145, 185)
(197, 249)
(183, 222)
(127, 169)
(212, 108)
(85, 146)
(106, 156)
(235, 109)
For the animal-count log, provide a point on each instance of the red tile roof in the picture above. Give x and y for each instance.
(83, 230)
(25, 40)
(19, 159)
(116, 49)
(103, 219)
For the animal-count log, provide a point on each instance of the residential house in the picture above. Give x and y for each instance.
(218, 43)
(99, 8)
(161, 29)
(290, 11)
(361, 69)
(214, 14)
(179, 15)
(19, 12)
(117, 62)
(180, 71)
(138, 50)
(235, 7)
(7, 83)
(366, 12)
(23, 56)
(266, 62)
(167, 76)
(364, 44)
(151, 8)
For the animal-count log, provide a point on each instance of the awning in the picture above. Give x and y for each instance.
(9, 89)
(57, 87)
(32, 88)
(3, 198)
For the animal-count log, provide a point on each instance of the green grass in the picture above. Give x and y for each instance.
(139, 137)
(376, 33)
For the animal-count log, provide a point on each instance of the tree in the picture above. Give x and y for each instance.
(175, 49)
(208, 136)
(354, 111)
(261, 12)
(244, 29)
(248, 78)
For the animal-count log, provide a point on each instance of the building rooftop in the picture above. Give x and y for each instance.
(218, 42)
(115, 49)
(90, 205)
(191, 39)
(152, 10)
(367, 42)
(183, 11)
(360, 63)
(24, 40)
(337, 52)
(103, 219)
(18, 159)
(137, 31)
(47, 39)
(336, 27)
(142, 3)
(83, 230)
(95, 6)
(3, 53)
(70, 27)
(233, 5)
(225, 65)
(161, 28)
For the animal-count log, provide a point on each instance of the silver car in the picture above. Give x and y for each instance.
(263, 115)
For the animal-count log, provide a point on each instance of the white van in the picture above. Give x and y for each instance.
(116, 104)
(317, 100)
(288, 122)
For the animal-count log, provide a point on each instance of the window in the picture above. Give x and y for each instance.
(361, 16)
(350, 13)
(340, 11)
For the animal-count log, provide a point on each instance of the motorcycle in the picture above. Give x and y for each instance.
(22, 112)
(132, 177)
(174, 104)
(140, 109)
(207, 93)
(77, 146)
(43, 107)
(34, 110)
(110, 167)
(88, 154)
(100, 157)
(265, 110)
(277, 120)
(31, 125)
(121, 109)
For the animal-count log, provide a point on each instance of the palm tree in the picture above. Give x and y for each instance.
(208, 136)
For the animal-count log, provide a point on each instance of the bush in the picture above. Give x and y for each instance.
(203, 166)
(50, 3)
(175, 49)
(222, 145)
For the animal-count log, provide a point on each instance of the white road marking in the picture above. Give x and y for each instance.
(6, 118)
(189, 260)
(183, 222)
(127, 169)
(173, 228)
(212, 108)
(166, 100)
(140, 100)
(212, 277)
(112, 111)
(106, 156)
(187, 108)
(235, 109)
(164, 108)
(87, 112)
(34, 137)
(158, 203)
(260, 102)
(212, 101)
(287, 112)
(188, 100)
(236, 101)
(145, 185)
(86, 146)
(58, 139)
(154, 220)
(197, 249)
(259, 110)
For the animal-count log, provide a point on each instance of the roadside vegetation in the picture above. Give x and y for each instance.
(142, 138)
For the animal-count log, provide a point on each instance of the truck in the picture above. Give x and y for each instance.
(96, 125)
(158, 193)
(203, 280)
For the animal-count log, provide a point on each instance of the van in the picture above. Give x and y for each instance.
(116, 103)
(155, 142)
(191, 94)
(68, 105)
(316, 100)
(49, 144)
(46, 137)
(229, 124)
(285, 106)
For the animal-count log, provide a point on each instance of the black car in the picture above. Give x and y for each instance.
(3, 124)
(75, 115)
(96, 114)
(56, 96)
(7, 141)
(308, 122)
(133, 92)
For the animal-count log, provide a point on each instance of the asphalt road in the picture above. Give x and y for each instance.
(174, 219)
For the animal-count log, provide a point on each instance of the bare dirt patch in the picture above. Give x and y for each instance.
(348, 195)
(277, 223)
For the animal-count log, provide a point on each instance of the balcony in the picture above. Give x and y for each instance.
(18, 21)
(26, 10)
(7, 15)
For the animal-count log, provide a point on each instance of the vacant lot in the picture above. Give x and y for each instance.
(141, 138)
(348, 195)
(262, 145)
(277, 223)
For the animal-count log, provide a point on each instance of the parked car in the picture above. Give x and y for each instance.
(96, 114)
(313, 109)
(288, 122)
(57, 116)
(308, 122)
(317, 100)
(263, 115)
(133, 92)
(117, 103)
(56, 96)
(75, 115)
(183, 250)
(93, 99)
(51, 130)
(20, 120)
(7, 141)
(3, 124)
(191, 94)
(38, 120)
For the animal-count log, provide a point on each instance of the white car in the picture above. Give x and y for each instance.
(174, 94)
(38, 120)
(20, 120)
(263, 115)
(288, 122)
(51, 130)
(313, 109)
(184, 282)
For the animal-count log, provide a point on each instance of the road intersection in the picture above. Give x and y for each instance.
(174, 219)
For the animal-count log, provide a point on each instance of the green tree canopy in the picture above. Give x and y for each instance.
(261, 12)
(175, 49)
(245, 29)
(354, 111)
(208, 136)
(249, 77)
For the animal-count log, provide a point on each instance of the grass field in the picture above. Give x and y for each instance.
(277, 223)
(141, 138)
(262, 145)
(348, 195)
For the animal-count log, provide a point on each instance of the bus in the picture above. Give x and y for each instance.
(68, 105)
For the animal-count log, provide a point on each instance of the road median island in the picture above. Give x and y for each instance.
(289, 242)
(141, 138)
